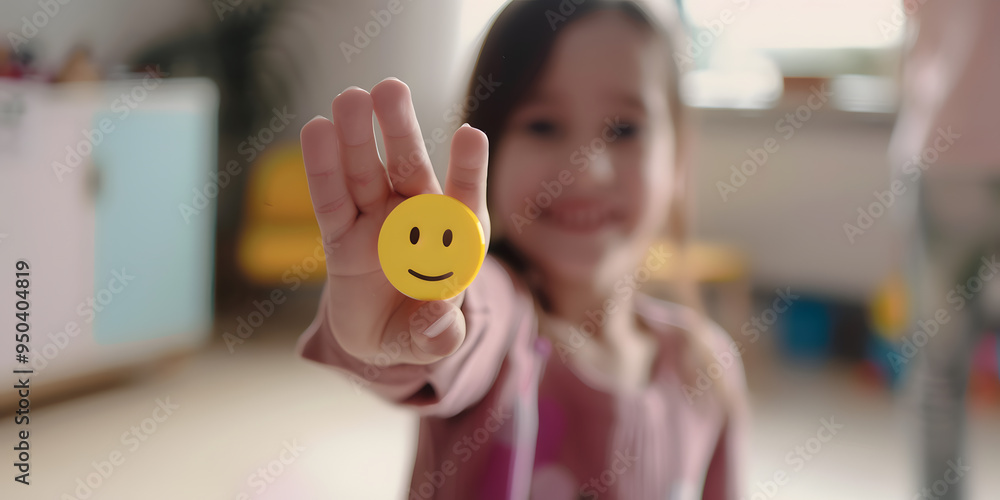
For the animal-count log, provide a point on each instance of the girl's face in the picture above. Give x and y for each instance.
(584, 171)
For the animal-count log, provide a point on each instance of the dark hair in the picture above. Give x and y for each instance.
(515, 50)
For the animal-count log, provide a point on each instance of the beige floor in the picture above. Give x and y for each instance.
(238, 412)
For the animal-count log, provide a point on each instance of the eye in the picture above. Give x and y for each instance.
(628, 130)
(447, 237)
(414, 235)
(542, 128)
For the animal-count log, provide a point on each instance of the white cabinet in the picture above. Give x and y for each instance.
(91, 181)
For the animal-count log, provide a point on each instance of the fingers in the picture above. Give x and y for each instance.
(409, 167)
(466, 179)
(335, 210)
(363, 171)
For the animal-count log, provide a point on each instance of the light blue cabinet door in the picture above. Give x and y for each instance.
(153, 266)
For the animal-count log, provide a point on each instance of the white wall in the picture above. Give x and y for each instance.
(419, 45)
(788, 217)
(113, 29)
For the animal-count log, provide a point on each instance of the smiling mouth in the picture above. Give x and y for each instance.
(431, 278)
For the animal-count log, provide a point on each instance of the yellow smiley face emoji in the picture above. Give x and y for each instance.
(431, 247)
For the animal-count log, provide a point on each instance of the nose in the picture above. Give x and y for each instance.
(597, 169)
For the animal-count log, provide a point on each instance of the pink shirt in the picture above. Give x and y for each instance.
(505, 417)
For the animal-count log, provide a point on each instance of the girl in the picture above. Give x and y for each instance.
(549, 377)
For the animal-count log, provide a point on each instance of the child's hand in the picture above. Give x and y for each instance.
(352, 195)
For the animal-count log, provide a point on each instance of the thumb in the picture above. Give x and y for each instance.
(437, 329)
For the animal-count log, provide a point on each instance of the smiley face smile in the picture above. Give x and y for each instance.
(431, 278)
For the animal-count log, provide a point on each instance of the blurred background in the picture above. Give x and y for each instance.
(150, 173)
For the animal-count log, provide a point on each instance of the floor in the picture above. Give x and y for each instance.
(258, 423)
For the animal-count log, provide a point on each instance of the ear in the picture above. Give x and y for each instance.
(497, 226)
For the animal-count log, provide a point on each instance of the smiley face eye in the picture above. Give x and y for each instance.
(447, 237)
(414, 235)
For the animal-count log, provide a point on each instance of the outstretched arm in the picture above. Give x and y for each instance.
(438, 355)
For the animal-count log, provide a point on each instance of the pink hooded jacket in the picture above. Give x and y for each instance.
(505, 417)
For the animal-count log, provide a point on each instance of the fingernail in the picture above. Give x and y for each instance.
(440, 325)
(348, 88)
(466, 124)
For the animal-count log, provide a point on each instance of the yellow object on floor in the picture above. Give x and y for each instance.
(890, 307)
(721, 273)
(280, 236)
(700, 261)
